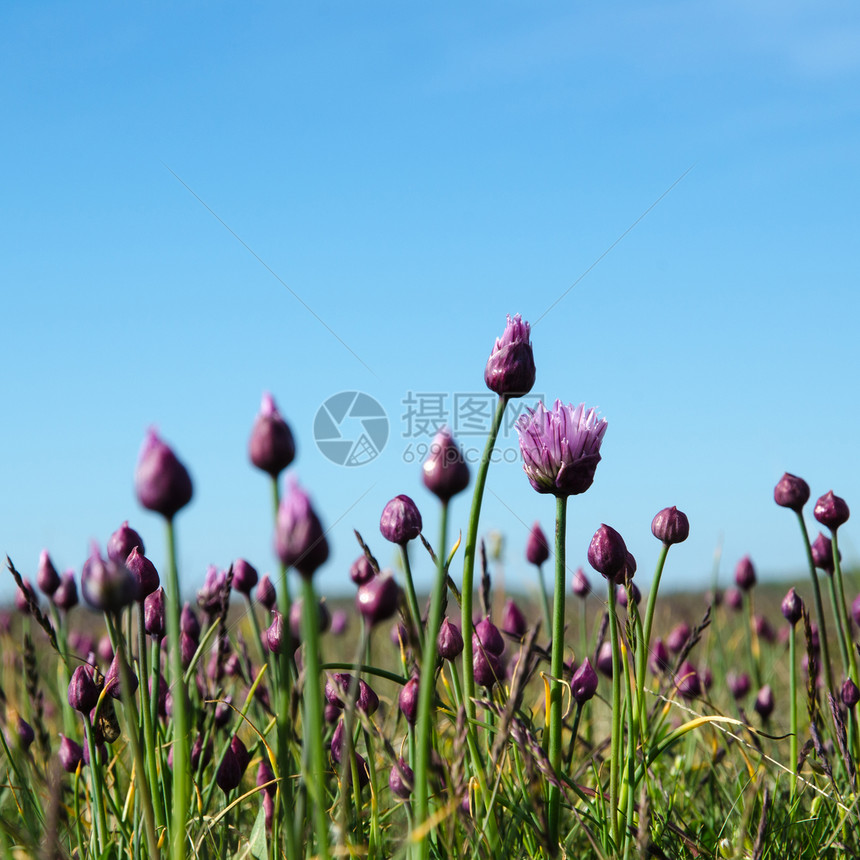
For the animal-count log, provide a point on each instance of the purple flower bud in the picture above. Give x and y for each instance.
(537, 548)
(377, 600)
(632, 589)
(337, 743)
(244, 576)
(189, 623)
(163, 691)
(763, 629)
(271, 446)
(265, 776)
(450, 641)
(739, 685)
(445, 471)
(687, 682)
(113, 679)
(187, 649)
(70, 753)
(510, 369)
(24, 732)
(47, 577)
(560, 449)
(275, 634)
(296, 612)
(822, 554)
(401, 779)
(409, 700)
(604, 659)
(486, 667)
(266, 595)
(670, 526)
(233, 766)
(513, 620)
(210, 596)
(791, 492)
(122, 542)
(23, 597)
(331, 712)
(337, 690)
(299, 537)
(677, 638)
(163, 484)
(488, 637)
(855, 610)
(223, 712)
(153, 613)
(144, 573)
(400, 521)
(583, 685)
(850, 694)
(199, 752)
(764, 702)
(66, 595)
(734, 599)
(607, 552)
(362, 570)
(581, 586)
(106, 585)
(83, 693)
(659, 661)
(831, 511)
(792, 607)
(105, 648)
(745, 574)
(339, 622)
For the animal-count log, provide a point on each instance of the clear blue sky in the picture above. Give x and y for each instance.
(669, 191)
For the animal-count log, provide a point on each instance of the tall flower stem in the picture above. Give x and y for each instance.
(426, 689)
(544, 600)
(284, 693)
(469, 560)
(792, 657)
(645, 645)
(412, 598)
(554, 718)
(819, 609)
(181, 751)
(313, 716)
(615, 746)
(146, 713)
(842, 610)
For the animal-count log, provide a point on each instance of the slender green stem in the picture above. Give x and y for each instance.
(315, 779)
(181, 756)
(644, 648)
(792, 658)
(97, 790)
(843, 610)
(554, 717)
(544, 600)
(469, 561)
(412, 600)
(840, 625)
(426, 690)
(751, 639)
(615, 746)
(146, 712)
(819, 609)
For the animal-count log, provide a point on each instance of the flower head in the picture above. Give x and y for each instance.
(831, 511)
(822, 554)
(561, 449)
(791, 492)
(537, 548)
(271, 446)
(47, 577)
(299, 536)
(122, 542)
(510, 369)
(106, 585)
(445, 472)
(745, 577)
(400, 521)
(583, 685)
(162, 483)
(607, 552)
(670, 526)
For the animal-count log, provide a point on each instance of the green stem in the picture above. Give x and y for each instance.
(819, 609)
(843, 609)
(412, 600)
(544, 600)
(469, 562)
(315, 779)
(615, 747)
(554, 717)
(145, 707)
(645, 645)
(181, 756)
(426, 689)
(840, 625)
(97, 789)
(792, 657)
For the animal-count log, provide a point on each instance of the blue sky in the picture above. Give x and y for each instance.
(203, 201)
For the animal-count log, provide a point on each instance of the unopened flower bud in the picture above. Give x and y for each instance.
(66, 595)
(764, 702)
(688, 682)
(850, 694)
(409, 700)
(745, 577)
(739, 685)
(537, 548)
(792, 607)
(244, 576)
(106, 585)
(271, 446)
(400, 521)
(266, 595)
(377, 599)
(486, 667)
(607, 552)
(581, 586)
(153, 613)
(70, 754)
(163, 484)
(791, 492)
(450, 641)
(510, 369)
(401, 779)
(513, 620)
(677, 638)
(670, 526)
(583, 685)
(47, 577)
(445, 471)
(362, 570)
(83, 693)
(831, 511)
(299, 536)
(143, 571)
(822, 554)
(487, 637)
(233, 766)
(122, 542)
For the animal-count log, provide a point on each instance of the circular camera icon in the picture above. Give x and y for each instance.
(351, 428)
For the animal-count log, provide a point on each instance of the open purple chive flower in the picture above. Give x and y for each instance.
(537, 548)
(560, 449)
(143, 571)
(670, 526)
(162, 483)
(106, 585)
(122, 542)
(299, 536)
(510, 370)
(791, 492)
(822, 554)
(271, 446)
(244, 576)
(47, 577)
(583, 685)
(831, 511)
(745, 577)
(400, 521)
(445, 472)
(607, 552)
